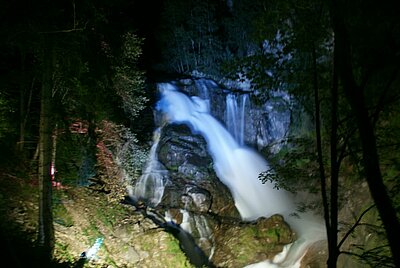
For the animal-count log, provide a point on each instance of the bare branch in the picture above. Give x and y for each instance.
(354, 226)
(64, 31)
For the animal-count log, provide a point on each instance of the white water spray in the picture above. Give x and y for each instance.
(238, 168)
(235, 115)
(197, 223)
(150, 186)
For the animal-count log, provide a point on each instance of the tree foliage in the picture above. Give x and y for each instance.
(65, 63)
(341, 104)
(190, 36)
(128, 79)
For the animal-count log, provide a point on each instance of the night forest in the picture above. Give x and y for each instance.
(78, 93)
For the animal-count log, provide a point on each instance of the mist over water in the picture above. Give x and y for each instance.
(238, 168)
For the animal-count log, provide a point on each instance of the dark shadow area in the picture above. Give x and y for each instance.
(17, 252)
(17, 246)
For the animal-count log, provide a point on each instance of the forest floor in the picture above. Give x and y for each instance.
(81, 216)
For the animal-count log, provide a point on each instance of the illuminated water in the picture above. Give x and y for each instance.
(236, 107)
(238, 168)
(150, 186)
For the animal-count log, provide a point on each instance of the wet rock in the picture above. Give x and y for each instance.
(196, 200)
(200, 199)
(194, 197)
(178, 146)
(275, 230)
(245, 243)
(316, 256)
(266, 123)
(193, 182)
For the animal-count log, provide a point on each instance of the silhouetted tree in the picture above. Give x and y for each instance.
(350, 64)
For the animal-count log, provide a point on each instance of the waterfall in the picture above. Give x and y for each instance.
(235, 115)
(202, 86)
(150, 186)
(238, 168)
(197, 223)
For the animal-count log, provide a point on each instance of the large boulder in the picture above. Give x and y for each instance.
(245, 243)
(193, 184)
(200, 204)
(193, 197)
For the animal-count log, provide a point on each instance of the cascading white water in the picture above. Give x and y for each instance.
(244, 101)
(235, 115)
(238, 168)
(150, 186)
(197, 223)
(231, 112)
(202, 86)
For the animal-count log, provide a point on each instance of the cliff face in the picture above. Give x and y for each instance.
(252, 121)
(197, 201)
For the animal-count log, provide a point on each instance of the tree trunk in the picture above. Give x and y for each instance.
(321, 165)
(46, 229)
(330, 212)
(22, 87)
(53, 157)
(24, 103)
(355, 96)
(333, 247)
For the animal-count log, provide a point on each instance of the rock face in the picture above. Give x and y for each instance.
(264, 124)
(196, 200)
(242, 244)
(193, 196)
(194, 185)
(200, 204)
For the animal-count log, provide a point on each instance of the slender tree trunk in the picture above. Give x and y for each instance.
(46, 229)
(354, 94)
(333, 248)
(22, 90)
(24, 103)
(25, 106)
(53, 156)
(22, 106)
(373, 172)
(321, 165)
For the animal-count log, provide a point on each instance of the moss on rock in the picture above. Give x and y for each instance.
(248, 243)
